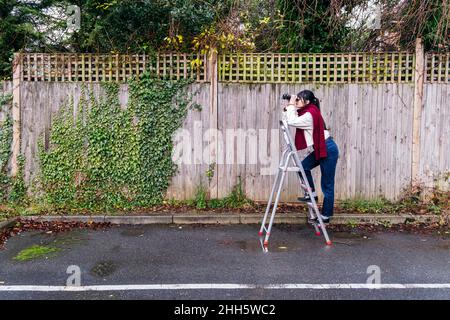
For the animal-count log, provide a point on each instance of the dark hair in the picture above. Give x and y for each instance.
(309, 95)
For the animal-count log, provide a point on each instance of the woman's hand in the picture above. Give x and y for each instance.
(293, 100)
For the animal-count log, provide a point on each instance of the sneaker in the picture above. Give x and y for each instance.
(307, 198)
(325, 220)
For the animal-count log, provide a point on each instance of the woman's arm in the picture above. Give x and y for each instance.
(304, 121)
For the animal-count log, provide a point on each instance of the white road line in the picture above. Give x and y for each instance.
(226, 286)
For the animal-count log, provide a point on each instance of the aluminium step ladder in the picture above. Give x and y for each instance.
(290, 154)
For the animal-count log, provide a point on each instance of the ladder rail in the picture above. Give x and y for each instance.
(269, 203)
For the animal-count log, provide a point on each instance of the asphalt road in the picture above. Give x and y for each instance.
(173, 256)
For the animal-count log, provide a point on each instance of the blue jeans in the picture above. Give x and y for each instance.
(327, 170)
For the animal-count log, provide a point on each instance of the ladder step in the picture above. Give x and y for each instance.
(296, 169)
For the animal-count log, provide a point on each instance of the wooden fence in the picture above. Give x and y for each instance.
(389, 114)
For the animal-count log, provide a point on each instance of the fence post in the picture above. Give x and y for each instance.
(17, 81)
(417, 111)
(213, 121)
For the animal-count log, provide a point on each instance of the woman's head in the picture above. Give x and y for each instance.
(306, 97)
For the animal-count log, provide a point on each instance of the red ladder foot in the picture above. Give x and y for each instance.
(329, 243)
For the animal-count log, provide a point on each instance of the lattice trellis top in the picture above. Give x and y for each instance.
(318, 68)
(391, 67)
(106, 67)
(437, 68)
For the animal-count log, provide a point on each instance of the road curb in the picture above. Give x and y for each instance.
(8, 223)
(167, 219)
(281, 218)
(207, 219)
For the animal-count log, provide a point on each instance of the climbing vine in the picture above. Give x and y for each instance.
(5, 145)
(107, 157)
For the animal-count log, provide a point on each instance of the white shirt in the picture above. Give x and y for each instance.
(304, 122)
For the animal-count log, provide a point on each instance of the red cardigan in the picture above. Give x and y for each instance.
(320, 147)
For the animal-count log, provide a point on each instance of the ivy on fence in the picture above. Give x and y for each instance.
(107, 157)
(5, 144)
(12, 189)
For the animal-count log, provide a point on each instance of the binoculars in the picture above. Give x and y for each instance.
(286, 96)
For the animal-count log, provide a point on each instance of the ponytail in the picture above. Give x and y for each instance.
(316, 102)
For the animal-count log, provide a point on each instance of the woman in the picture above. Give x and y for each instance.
(303, 112)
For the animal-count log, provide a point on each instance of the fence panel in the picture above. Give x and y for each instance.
(435, 142)
(370, 124)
